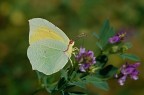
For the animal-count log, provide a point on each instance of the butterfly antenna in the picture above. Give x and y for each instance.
(80, 36)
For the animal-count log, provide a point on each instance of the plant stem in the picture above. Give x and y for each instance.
(36, 91)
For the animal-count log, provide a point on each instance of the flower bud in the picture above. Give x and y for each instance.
(92, 69)
(124, 48)
(114, 49)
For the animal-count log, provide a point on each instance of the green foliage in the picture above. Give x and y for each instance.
(80, 83)
(130, 56)
(128, 44)
(96, 35)
(64, 74)
(105, 33)
(101, 60)
(77, 93)
(47, 82)
(112, 72)
(97, 82)
(107, 72)
(99, 45)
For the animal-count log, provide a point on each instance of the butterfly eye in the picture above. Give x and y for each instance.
(71, 42)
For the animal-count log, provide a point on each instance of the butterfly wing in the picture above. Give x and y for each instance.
(47, 56)
(43, 29)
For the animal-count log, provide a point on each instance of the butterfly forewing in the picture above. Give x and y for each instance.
(41, 28)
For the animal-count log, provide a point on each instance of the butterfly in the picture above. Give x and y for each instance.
(50, 48)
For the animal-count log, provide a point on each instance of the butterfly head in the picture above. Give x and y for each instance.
(69, 48)
(71, 42)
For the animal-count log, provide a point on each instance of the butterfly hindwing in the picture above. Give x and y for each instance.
(47, 58)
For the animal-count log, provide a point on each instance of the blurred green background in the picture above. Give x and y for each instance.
(73, 17)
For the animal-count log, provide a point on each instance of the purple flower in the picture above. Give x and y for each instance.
(127, 70)
(85, 59)
(121, 34)
(114, 39)
(83, 67)
(122, 80)
(117, 38)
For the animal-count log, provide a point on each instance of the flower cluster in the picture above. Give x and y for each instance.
(85, 59)
(127, 70)
(117, 38)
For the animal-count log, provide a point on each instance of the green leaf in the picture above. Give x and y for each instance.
(64, 74)
(108, 71)
(73, 75)
(130, 56)
(61, 82)
(43, 79)
(97, 82)
(40, 76)
(96, 35)
(105, 33)
(112, 72)
(128, 44)
(99, 45)
(104, 28)
(48, 89)
(81, 84)
(49, 83)
(63, 93)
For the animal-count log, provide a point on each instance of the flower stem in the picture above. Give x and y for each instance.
(38, 90)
